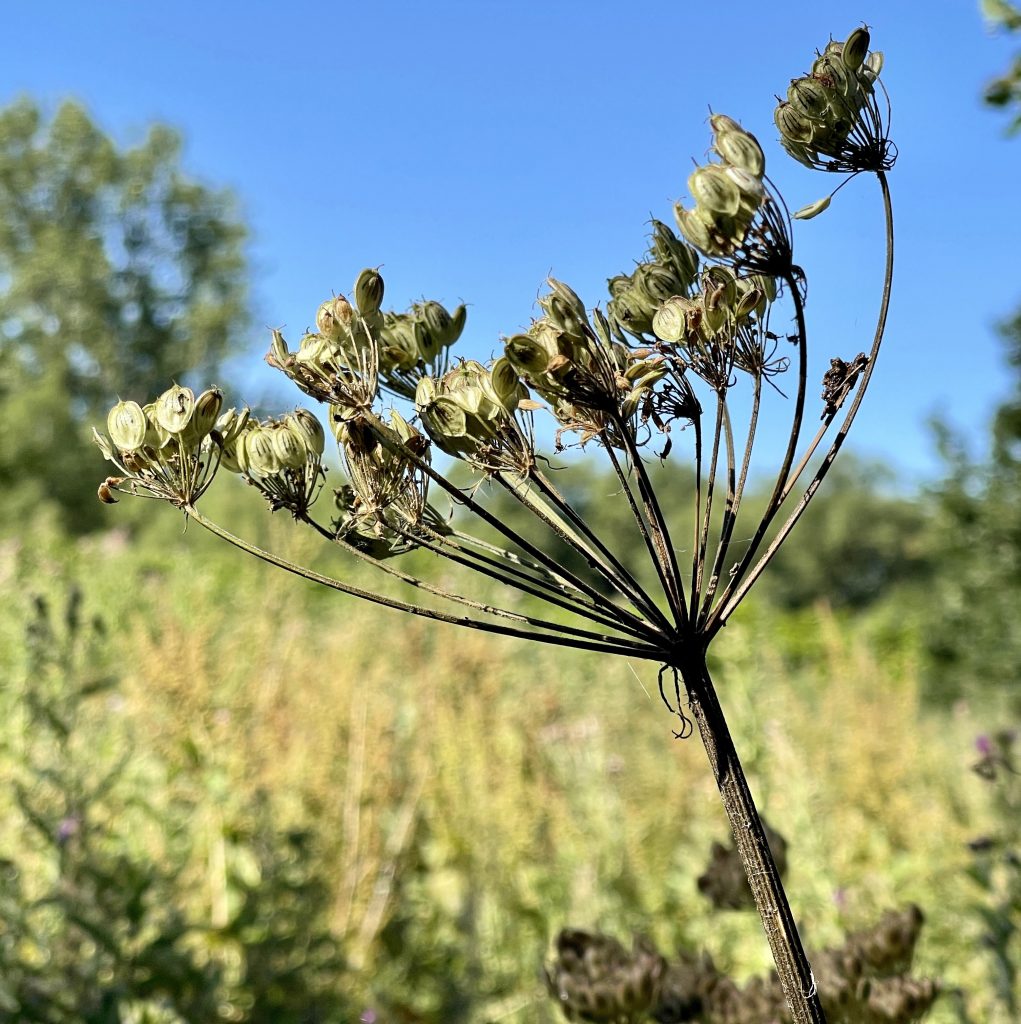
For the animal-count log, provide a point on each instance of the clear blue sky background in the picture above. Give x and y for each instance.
(472, 148)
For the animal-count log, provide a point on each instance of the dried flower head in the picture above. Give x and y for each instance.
(831, 119)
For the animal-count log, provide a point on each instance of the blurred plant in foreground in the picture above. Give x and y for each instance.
(996, 866)
(93, 927)
(693, 325)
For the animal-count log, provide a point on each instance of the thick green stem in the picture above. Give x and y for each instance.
(770, 899)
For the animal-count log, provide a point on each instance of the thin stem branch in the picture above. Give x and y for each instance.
(606, 645)
(640, 521)
(467, 602)
(639, 597)
(487, 517)
(673, 587)
(775, 499)
(733, 600)
(710, 490)
(732, 512)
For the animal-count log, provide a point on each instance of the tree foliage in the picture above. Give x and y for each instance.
(116, 268)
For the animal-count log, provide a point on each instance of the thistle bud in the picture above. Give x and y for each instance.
(369, 292)
(174, 409)
(127, 425)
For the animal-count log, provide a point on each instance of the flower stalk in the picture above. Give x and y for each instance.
(694, 318)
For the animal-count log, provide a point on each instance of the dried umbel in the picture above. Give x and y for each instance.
(167, 449)
(281, 457)
(387, 495)
(670, 270)
(474, 413)
(854, 987)
(593, 978)
(685, 355)
(735, 217)
(831, 119)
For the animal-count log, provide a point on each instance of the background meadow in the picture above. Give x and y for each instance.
(230, 796)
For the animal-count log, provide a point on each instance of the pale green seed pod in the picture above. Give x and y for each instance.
(308, 426)
(813, 209)
(289, 446)
(855, 48)
(694, 229)
(369, 292)
(713, 191)
(670, 324)
(507, 387)
(334, 318)
(809, 98)
(527, 355)
(741, 149)
(174, 409)
(127, 425)
(231, 424)
(105, 445)
(207, 409)
(793, 126)
(447, 421)
(278, 351)
(256, 454)
(750, 187)
(436, 326)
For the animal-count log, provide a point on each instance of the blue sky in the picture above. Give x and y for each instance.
(474, 148)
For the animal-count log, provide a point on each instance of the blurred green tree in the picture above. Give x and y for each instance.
(116, 269)
(1005, 89)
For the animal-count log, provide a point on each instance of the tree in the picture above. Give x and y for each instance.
(1005, 89)
(116, 268)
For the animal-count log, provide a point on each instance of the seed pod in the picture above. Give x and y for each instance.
(813, 209)
(809, 98)
(713, 191)
(856, 46)
(670, 324)
(127, 426)
(369, 292)
(207, 409)
(694, 229)
(527, 355)
(307, 425)
(256, 453)
(289, 446)
(741, 149)
(507, 388)
(174, 409)
(793, 126)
